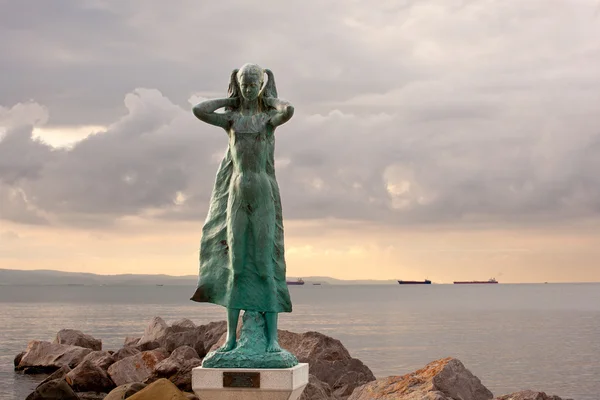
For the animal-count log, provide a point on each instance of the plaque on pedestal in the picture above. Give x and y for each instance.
(250, 384)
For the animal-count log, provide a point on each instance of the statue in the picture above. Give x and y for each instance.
(242, 264)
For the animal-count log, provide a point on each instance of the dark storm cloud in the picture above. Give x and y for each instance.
(418, 113)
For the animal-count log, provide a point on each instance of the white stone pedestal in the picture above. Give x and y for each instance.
(232, 383)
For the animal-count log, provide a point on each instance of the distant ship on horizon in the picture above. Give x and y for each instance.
(489, 281)
(425, 282)
(298, 281)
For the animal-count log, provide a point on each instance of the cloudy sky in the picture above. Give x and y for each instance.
(447, 139)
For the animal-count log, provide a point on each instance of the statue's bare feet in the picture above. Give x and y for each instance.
(228, 346)
(273, 347)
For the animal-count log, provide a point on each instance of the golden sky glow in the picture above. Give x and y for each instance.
(442, 255)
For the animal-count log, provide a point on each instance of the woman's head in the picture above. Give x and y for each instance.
(250, 79)
(247, 83)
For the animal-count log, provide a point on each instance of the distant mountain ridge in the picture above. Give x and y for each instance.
(51, 277)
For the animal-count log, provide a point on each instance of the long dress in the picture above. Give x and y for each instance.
(240, 285)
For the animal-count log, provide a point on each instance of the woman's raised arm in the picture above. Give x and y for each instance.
(205, 111)
(284, 111)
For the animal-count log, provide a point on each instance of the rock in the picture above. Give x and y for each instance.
(183, 324)
(444, 379)
(313, 346)
(343, 376)
(177, 368)
(200, 338)
(90, 395)
(136, 368)
(60, 373)
(161, 389)
(77, 338)
(125, 352)
(154, 331)
(529, 395)
(89, 377)
(131, 341)
(57, 389)
(191, 338)
(175, 361)
(153, 345)
(45, 356)
(211, 333)
(316, 390)
(329, 361)
(183, 377)
(102, 359)
(18, 358)
(125, 391)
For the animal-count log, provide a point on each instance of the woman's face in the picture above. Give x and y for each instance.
(250, 85)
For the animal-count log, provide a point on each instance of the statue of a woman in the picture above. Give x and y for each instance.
(242, 264)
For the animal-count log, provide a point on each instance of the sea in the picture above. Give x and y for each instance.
(512, 336)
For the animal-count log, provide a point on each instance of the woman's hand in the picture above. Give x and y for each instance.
(271, 101)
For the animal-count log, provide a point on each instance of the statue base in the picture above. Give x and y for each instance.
(250, 383)
(250, 351)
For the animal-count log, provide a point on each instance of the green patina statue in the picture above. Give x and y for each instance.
(242, 264)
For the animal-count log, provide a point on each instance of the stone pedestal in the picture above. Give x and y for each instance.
(249, 383)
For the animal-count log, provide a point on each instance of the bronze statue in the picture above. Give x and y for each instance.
(242, 264)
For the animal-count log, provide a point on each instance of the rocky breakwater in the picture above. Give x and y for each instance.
(158, 364)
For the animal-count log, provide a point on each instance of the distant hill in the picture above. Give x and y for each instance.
(49, 277)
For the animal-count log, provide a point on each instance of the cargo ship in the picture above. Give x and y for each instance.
(425, 282)
(489, 281)
(298, 281)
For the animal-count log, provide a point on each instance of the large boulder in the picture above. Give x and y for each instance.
(90, 395)
(57, 389)
(177, 368)
(175, 361)
(74, 337)
(161, 389)
(102, 359)
(211, 333)
(89, 377)
(191, 338)
(155, 330)
(60, 373)
(43, 356)
(126, 352)
(136, 368)
(313, 346)
(316, 390)
(445, 379)
(200, 338)
(183, 324)
(529, 395)
(183, 377)
(125, 391)
(343, 376)
(328, 359)
(153, 345)
(17, 359)
(131, 340)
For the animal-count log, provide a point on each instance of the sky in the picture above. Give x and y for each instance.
(439, 139)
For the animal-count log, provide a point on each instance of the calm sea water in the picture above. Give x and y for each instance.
(544, 337)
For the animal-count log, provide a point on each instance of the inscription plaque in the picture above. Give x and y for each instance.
(241, 379)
